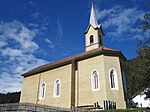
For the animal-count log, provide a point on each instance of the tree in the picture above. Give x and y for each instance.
(143, 64)
(145, 23)
(138, 69)
(10, 97)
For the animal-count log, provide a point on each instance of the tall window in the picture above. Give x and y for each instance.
(42, 91)
(113, 79)
(95, 80)
(91, 39)
(57, 88)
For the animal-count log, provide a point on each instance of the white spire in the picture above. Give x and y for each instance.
(93, 19)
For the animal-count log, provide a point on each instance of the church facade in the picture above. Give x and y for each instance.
(92, 79)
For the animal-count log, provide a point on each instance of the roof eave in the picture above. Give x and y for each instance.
(69, 61)
(45, 68)
(89, 28)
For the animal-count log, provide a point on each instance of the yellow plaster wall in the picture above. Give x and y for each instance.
(114, 95)
(85, 94)
(30, 89)
(30, 83)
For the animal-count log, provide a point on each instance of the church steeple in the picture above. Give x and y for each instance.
(94, 33)
(93, 19)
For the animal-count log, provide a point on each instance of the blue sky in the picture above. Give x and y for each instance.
(35, 32)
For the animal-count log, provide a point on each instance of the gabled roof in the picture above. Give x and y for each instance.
(137, 93)
(101, 50)
(99, 27)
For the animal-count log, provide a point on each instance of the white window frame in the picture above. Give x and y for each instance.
(55, 88)
(41, 91)
(115, 79)
(92, 81)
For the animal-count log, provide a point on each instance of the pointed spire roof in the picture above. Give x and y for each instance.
(93, 19)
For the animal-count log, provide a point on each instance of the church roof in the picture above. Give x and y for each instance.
(138, 93)
(101, 50)
(93, 21)
(99, 27)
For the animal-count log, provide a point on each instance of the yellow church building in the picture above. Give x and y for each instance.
(92, 79)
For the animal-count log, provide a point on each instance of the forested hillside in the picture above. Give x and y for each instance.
(13, 97)
(138, 69)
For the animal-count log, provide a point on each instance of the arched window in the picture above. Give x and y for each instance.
(42, 91)
(95, 80)
(57, 88)
(91, 39)
(113, 79)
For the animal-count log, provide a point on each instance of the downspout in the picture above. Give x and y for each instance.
(77, 88)
(37, 97)
(73, 83)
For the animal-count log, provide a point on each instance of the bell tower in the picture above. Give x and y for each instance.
(94, 34)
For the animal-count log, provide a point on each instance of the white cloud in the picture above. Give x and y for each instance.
(31, 3)
(36, 14)
(17, 32)
(11, 52)
(120, 21)
(10, 83)
(2, 43)
(17, 51)
(50, 43)
(60, 31)
(19, 69)
(33, 25)
(55, 38)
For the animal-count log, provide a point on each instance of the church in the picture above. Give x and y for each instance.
(92, 79)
